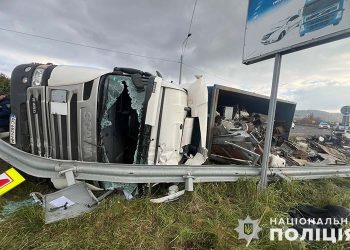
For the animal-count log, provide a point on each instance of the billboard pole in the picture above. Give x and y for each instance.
(270, 121)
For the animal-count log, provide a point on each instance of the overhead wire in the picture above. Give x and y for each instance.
(131, 53)
(116, 51)
(190, 26)
(88, 46)
(185, 45)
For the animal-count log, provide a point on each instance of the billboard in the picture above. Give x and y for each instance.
(284, 26)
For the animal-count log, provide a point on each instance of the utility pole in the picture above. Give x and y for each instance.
(184, 45)
(181, 61)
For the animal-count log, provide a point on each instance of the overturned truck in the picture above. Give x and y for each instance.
(128, 126)
(125, 116)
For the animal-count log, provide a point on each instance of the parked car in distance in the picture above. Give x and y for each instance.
(284, 26)
(324, 125)
(340, 127)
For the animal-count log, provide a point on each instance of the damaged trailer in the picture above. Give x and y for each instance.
(237, 125)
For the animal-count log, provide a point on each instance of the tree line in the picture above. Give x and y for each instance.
(4, 84)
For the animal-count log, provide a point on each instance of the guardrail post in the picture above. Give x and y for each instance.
(69, 174)
(189, 182)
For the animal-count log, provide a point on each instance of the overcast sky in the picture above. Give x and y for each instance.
(318, 78)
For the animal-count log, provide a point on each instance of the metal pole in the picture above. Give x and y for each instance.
(184, 44)
(270, 121)
(181, 60)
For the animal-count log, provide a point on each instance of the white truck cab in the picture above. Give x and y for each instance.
(96, 115)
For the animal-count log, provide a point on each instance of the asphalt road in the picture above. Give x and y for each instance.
(300, 130)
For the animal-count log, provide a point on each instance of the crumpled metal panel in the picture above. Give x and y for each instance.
(83, 201)
(331, 151)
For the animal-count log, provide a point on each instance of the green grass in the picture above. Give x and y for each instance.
(204, 219)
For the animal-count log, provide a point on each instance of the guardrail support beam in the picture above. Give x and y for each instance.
(189, 179)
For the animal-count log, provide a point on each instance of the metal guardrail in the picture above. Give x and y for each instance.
(53, 168)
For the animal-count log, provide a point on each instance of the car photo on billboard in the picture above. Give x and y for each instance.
(287, 26)
(318, 14)
(279, 32)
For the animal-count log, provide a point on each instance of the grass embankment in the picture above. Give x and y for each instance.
(204, 219)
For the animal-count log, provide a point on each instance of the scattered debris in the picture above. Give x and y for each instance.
(70, 202)
(13, 206)
(173, 195)
(239, 136)
(299, 162)
(277, 162)
(330, 151)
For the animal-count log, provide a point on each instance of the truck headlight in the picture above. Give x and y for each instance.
(37, 76)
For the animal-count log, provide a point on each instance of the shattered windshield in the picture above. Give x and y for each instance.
(116, 85)
(120, 124)
(121, 119)
(137, 98)
(114, 90)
